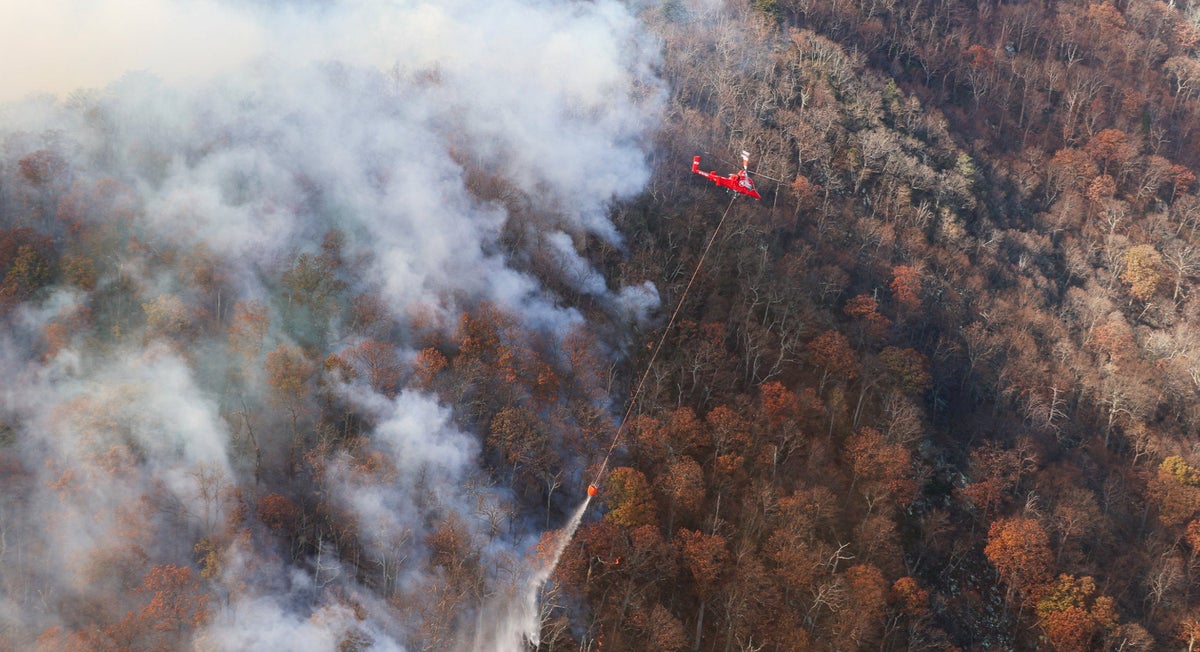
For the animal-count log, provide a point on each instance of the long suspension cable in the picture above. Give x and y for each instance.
(662, 338)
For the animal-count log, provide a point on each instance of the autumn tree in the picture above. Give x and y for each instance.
(42, 167)
(247, 329)
(831, 352)
(665, 630)
(629, 499)
(310, 291)
(906, 286)
(177, 603)
(649, 439)
(368, 316)
(786, 415)
(586, 565)
(1072, 615)
(1175, 489)
(1143, 272)
(996, 473)
(859, 624)
(882, 469)
(909, 597)
(867, 322)
(23, 274)
(79, 270)
(704, 557)
(166, 316)
(379, 364)
(521, 440)
(1189, 631)
(479, 332)
(908, 369)
(683, 485)
(1111, 149)
(288, 371)
(454, 553)
(277, 511)
(1071, 169)
(430, 362)
(1020, 551)
(729, 444)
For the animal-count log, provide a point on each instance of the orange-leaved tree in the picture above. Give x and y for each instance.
(630, 501)
(1072, 615)
(1020, 550)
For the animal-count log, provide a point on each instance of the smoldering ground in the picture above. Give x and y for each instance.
(171, 188)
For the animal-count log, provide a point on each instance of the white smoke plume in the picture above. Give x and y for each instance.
(418, 131)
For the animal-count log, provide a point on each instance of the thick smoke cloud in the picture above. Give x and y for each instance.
(391, 123)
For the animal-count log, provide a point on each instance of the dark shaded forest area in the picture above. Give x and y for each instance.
(937, 390)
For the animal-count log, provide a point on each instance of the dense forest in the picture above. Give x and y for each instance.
(329, 368)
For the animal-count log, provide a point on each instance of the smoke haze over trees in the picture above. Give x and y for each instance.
(259, 324)
(313, 340)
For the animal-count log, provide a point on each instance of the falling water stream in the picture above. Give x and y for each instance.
(539, 578)
(523, 626)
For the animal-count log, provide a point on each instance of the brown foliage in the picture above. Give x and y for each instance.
(1020, 550)
(479, 332)
(910, 597)
(859, 626)
(704, 556)
(522, 441)
(1111, 149)
(247, 328)
(864, 311)
(908, 369)
(1101, 188)
(730, 431)
(1114, 338)
(906, 286)
(277, 511)
(1144, 271)
(288, 369)
(26, 259)
(628, 495)
(80, 271)
(1072, 168)
(666, 631)
(1175, 491)
(649, 438)
(430, 362)
(831, 351)
(881, 469)
(779, 404)
(42, 167)
(166, 316)
(995, 473)
(177, 603)
(686, 431)
(379, 363)
(1072, 615)
(369, 316)
(683, 484)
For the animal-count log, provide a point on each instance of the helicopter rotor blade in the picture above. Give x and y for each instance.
(763, 176)
(745, 165)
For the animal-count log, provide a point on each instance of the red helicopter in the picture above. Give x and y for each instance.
(738, 182)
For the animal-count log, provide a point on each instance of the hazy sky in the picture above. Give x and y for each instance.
(57, 46)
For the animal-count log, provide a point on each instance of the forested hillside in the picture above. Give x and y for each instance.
(320, 356)
(938, 388)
